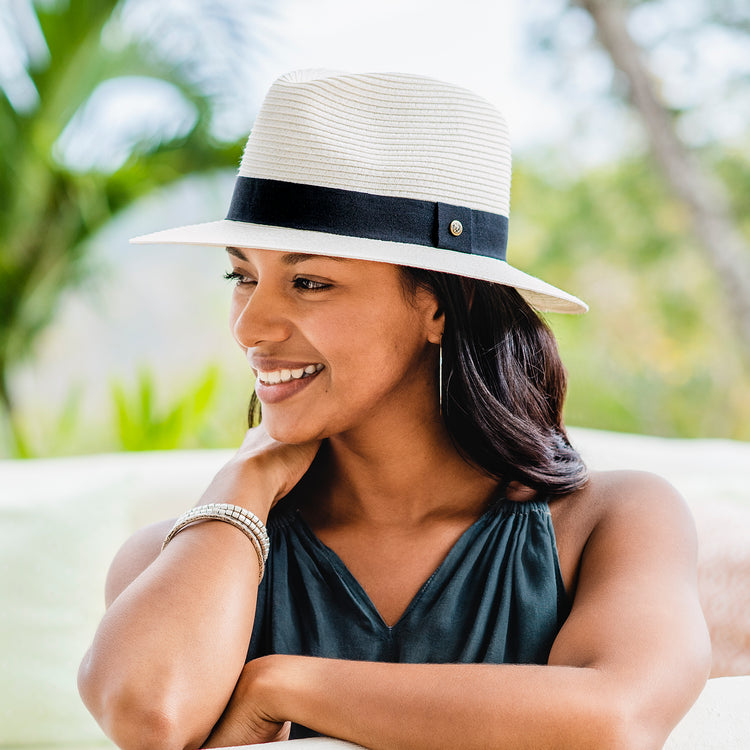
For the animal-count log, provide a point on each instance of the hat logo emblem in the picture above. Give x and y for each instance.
(456, 227)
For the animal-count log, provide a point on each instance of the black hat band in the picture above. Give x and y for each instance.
(375, 217)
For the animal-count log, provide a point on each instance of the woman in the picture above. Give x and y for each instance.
(443, 571)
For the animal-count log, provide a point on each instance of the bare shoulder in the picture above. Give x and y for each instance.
(626, 507)
(135, 555)
(612, 495)
(636, 498)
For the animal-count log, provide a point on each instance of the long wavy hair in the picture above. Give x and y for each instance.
(503, 384)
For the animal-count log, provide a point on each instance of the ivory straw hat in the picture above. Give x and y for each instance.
(384, 167)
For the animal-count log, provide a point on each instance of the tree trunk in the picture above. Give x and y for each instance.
(702, 194)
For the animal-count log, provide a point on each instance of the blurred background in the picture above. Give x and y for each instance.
(630, 123)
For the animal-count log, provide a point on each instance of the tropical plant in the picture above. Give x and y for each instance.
(64, 59)
(142, 425)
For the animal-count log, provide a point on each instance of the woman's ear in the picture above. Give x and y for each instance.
(436, 326)
(433, 316)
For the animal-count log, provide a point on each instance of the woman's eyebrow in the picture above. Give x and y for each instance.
(288, 259)
(292, 259)
(236, 252)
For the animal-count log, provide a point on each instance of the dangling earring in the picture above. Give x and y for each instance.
(440, 376)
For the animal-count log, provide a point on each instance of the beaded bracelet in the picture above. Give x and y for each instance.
(241, 518)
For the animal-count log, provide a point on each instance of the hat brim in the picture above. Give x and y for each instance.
(225, 233)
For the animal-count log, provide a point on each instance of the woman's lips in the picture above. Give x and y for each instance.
(273, 386)
(285, 374)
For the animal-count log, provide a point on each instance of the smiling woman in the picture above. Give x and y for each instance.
(372, 352)
(408, 537)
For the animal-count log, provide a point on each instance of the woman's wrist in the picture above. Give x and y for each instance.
(243, 484)
(269, 682)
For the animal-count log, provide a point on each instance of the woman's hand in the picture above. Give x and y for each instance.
(244, 722)
(261, 472)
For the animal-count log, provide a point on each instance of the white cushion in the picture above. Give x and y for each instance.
(719, 720)
(61, 522)
(54, 551)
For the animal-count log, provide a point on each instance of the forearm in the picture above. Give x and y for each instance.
(382, 705)
(170, 648)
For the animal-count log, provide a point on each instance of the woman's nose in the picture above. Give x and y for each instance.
(258, 318)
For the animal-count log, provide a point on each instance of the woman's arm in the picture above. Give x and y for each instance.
(172, 644)
(628, 663)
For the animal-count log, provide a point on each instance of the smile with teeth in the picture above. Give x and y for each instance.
(284, 376)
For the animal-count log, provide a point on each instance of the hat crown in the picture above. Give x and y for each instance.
(391, 134)
(387, 167)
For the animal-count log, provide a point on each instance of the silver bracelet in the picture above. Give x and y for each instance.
(235, 515)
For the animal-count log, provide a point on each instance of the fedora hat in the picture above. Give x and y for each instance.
(383, 167)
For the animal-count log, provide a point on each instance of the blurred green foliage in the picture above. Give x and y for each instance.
(206, 409)
(657, 352)
(49, 210)
(141, 425)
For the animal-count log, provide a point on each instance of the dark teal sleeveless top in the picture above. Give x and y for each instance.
(497, 597)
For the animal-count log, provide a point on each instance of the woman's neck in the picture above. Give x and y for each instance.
(404, 472)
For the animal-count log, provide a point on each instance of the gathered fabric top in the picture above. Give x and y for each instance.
(497, 597)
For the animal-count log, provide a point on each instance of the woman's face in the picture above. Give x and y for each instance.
(335, 344)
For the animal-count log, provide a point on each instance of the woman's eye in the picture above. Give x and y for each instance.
(239, 278)
(309, 285)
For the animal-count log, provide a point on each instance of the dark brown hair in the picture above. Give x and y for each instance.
(503, 384)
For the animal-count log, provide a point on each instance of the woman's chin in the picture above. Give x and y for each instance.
(292, 433)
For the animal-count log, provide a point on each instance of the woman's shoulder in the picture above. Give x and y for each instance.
(613, 494)
(622, 504)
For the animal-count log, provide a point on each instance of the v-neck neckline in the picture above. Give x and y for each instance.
(497, 505)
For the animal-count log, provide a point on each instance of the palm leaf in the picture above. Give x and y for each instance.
(51, 211)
